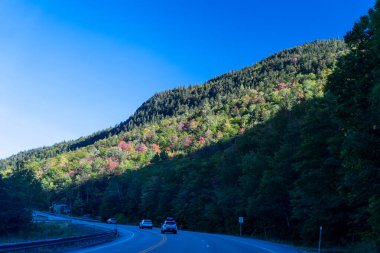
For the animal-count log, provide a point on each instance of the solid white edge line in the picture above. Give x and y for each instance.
(246, 243)
(253, 245)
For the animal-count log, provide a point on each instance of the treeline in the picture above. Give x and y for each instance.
(20, 193)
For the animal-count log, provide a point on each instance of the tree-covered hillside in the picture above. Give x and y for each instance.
(178, 123)
(290, 143)
(305, 67)
(183, 120)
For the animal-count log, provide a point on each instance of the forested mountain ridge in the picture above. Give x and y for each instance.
(177, 127)
(183, 120)
(273, 143)
(312, 61)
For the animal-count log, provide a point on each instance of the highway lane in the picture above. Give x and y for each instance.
(133, 239)
(188, 242)
(144, 241)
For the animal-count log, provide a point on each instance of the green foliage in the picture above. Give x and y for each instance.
(78, 205)
(19, 193)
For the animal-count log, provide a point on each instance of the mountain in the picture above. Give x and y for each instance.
(290, 143)
(305, 66)
(189, 139)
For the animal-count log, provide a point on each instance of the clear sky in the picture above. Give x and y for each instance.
(72, 67)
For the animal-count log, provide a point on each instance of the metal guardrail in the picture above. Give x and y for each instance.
(52, 221)
(59, 245)
(83, 218)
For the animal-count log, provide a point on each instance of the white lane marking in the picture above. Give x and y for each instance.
(240, 241)
(264, 248)
(256, 246)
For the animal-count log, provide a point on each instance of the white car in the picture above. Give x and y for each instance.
(169, 225)
(146, 223)
(111, 221)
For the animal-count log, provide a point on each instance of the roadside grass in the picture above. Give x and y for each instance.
(357, 247)
(49, 230)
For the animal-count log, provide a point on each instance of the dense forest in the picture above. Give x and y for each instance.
(290, 143)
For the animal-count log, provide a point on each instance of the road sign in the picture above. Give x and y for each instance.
(241, 220)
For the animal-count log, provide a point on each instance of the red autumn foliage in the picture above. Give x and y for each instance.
(187, 141)
(125, 146)
(141, 148)
(181, 127)
(112, 165)
(247, 99)
(294, 60)
(156, 148)
(208, 133)
(150, 135)
(281, 86)
(201, 141)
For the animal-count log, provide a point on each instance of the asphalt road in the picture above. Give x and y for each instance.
(132, 239)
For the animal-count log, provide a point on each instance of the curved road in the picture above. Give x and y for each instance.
(133, 239)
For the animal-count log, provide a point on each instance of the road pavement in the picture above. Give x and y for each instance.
(132, 239)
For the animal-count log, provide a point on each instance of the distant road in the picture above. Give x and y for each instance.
(132, 239)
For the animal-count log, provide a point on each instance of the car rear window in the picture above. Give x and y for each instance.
(147, 221)
(170, 222)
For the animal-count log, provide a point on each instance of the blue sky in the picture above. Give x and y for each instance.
(70, 68)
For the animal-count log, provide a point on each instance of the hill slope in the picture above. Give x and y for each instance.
(262, 143)
(304, 67)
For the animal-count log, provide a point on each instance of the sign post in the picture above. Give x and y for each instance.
(241, 220)
(320, 239)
